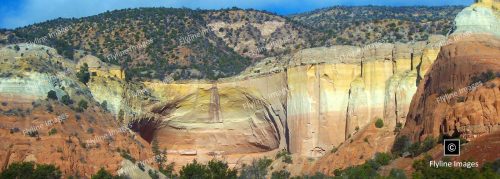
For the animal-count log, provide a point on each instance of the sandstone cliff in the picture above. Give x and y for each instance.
(460, 95)
(306, 102)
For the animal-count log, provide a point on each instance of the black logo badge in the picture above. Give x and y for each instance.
(451, 147)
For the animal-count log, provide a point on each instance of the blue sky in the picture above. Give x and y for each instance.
(18, 13)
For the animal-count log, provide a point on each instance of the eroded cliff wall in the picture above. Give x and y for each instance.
(307, 103)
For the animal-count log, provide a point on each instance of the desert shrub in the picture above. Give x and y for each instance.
(193, 170)
(494, 166)
(153, 174)
(399, 126)
(285, 155)
(220, 169)
(366, 170)
(383, 158)
(32, 133)
(90, 130)
(428, 144)
(397, 173)
(214, 169)
(66, 100)
(82, 105)
(126, 155)
(400, 145)
(282, 174)
(418, 148)
(83, 75)
(52, 95)
(14, 130)
(30, 170)
(140, 166)
(334, 149)
(257, 169)
(103, 174)
(4, 103)
(104, 105)
(379, 123)
(53, 131)
(483, 77)
(168, 170)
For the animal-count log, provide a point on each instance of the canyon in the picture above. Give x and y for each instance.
(307, 102)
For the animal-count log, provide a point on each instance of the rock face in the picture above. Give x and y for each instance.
(482, 17)
(460, 95)
(307, 102)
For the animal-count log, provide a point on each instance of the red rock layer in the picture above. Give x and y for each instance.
(449, 102)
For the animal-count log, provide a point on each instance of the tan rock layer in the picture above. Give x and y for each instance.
(307, 109)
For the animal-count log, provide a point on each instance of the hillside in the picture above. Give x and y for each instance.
(295, 104)
(358, 25)
(163, 43)
(172, 44)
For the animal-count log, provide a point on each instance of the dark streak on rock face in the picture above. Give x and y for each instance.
(146, 128)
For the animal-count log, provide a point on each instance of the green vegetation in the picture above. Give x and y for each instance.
(215, 169)
(399, 126)
(83, 75)
(82, 105)
(361, 25)
(140, 166)
(153, 174)
(484, 77)
(403, 145)
(287, 158)
(368, 169)
(126, 155)
(379, 123)
(161, 159)
(104, 105)
(66, 100)
(52, 95)
(53, 131)
(30, 170)
(32, 133)
(397, 173)
(282, 174)
(257, 169)
(103, 174)
(334, 149)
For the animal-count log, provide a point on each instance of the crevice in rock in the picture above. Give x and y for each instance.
(347, 115)
(146, 127)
